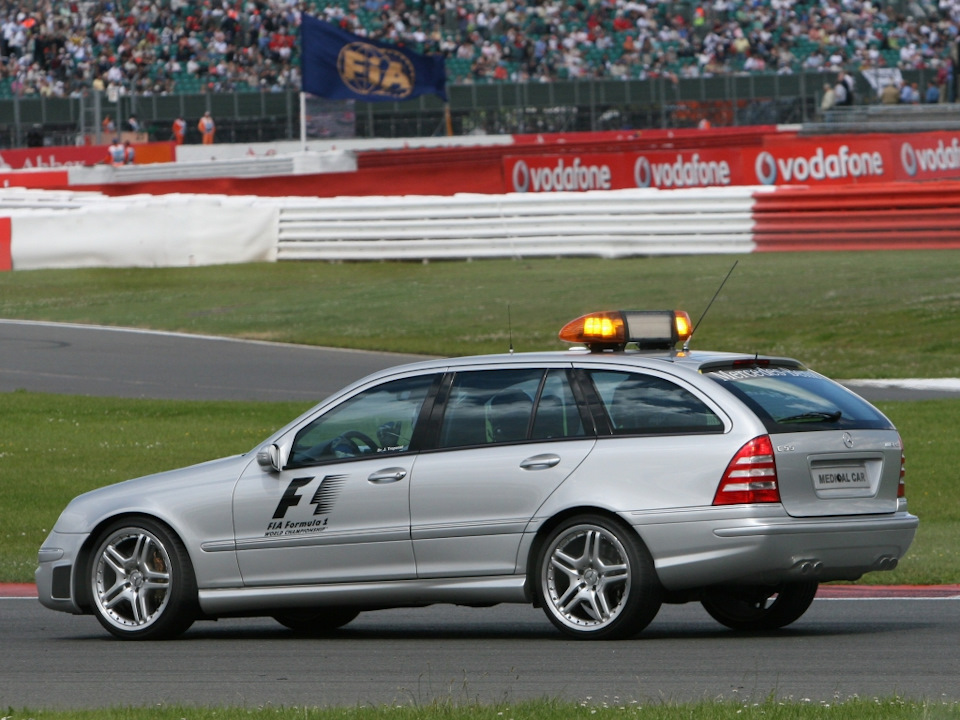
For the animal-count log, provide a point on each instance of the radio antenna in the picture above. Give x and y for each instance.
(510, 328)
(686, 345)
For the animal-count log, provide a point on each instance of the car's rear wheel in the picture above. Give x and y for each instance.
(596, 579)
(757, 608)
(315, 621)
(141, 581)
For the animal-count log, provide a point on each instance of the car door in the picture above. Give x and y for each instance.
(662, 446)
(506, 440)
(339, 510)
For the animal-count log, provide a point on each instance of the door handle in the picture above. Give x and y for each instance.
(387, 475)
(540, 462)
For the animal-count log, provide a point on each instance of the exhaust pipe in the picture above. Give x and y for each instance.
(887, 563)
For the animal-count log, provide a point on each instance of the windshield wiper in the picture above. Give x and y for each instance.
(815, 416)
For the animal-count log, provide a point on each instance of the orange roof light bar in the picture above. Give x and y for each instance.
(681, 321)
(602, 327)
(609, 330)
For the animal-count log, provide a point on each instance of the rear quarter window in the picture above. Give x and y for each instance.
(640, 404)
(796, 399)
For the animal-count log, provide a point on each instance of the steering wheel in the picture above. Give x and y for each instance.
(349, 444)
(351, 437)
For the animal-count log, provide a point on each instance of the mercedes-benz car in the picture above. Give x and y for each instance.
(596, 483)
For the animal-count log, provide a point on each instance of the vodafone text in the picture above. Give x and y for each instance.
(692, 172)
(818, 166)
(927, 159)
(561, 177)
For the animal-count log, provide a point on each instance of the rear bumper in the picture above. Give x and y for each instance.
(775, 548)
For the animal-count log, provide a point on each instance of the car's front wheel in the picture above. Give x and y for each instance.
(141, 581)
(758, 608)
(596, 579)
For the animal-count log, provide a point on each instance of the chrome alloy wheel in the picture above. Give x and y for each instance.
(587, 579)
(131, 578)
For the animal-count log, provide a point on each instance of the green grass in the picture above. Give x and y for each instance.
(873, 315)
(770, 709)
(54, 447)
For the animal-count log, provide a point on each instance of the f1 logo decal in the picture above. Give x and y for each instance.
(323, 498)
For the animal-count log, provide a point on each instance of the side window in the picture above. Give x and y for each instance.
(557, 413)
(378, 420)
(489, 406)
(638, 404)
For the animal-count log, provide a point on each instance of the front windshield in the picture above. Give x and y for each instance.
(795, 399)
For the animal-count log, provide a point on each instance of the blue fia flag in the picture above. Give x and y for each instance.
(338, 64)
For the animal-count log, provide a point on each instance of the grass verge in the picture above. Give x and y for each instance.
(848, 315)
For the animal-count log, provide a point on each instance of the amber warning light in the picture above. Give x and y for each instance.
(613, 330)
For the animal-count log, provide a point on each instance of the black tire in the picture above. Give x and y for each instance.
(595, 579)
(759, 608)
(315, 621)
(141, 582)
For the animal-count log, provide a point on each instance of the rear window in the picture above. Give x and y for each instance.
(795, 399)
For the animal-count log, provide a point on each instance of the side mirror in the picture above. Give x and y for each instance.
(269, 458)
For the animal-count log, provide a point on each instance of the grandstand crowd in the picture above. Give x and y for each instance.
(68, 47)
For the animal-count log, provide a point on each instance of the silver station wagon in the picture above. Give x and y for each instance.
(597, 484)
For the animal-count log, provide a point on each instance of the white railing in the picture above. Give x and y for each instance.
(606, 224)
(76, 229)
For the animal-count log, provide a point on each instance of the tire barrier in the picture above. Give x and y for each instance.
(42, 229)
(894, 216)
(39, 229)
(602, 224)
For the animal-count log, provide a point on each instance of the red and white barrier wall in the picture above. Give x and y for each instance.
(603, 194)
(892, 216)
(91, 230)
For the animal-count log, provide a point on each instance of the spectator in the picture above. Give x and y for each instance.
(829, 98)
(129, 154)
(841, 95)
(909, 94)
(179, 129)
(890, 94)
(207, 128)
(849, 84)
(933, 93)
(151, 47)
(35, 136)
(115, 153)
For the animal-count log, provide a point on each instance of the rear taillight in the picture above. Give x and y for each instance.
(901, 488)
(751, 477)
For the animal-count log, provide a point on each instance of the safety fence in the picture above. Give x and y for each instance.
(605, 224)
(40, 229)
(895, 216)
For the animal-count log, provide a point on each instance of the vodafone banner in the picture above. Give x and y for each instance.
(619, 171)
(825, 160)
(822, 161)
(927, 156)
